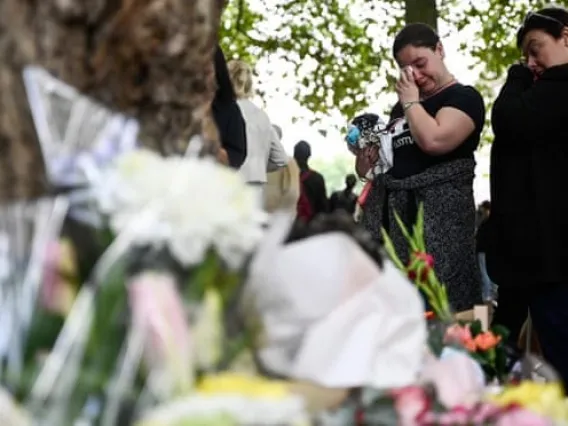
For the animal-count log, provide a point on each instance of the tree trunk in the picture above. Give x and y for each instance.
(151, 59)
(422, 11)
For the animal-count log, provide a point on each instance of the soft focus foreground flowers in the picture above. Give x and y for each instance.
(193, 204)
(415, 407)
(232, 383)
(60, 277)
(231, 399)
(158, 312)
(458, 379)
(208, 331)
(10, 413)
(546, 399)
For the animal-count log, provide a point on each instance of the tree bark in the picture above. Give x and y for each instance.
(421, 11)
(151, 59)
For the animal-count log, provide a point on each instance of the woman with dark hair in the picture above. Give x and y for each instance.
(527, 257)
(435, 129)
(227, 114)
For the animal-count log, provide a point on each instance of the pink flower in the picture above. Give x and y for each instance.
(48, 294)
(457, 334)
(410, 403)
(457, 416)
(57, 292)
(485, 412)
(458, 379)
(157, 308)
(520, 417)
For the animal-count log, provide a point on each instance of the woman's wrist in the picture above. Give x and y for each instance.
(407, 105)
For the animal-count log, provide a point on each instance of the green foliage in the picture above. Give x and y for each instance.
(331, 51)
(340, 49)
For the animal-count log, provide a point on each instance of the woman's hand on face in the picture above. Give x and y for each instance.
(406, 87)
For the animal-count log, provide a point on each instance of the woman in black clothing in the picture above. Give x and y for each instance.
(528, 255)
(435, 129)
(227, 114)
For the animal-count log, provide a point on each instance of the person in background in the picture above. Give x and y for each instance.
(227, 115)
(283, 186)
(528, 254)
(365, 140)
(345, 199)
(313, 195)
(483, 239)
(483, 213)
(435, 128)
(264, 150)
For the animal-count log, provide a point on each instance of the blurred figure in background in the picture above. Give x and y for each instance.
(282, 189)
(313, 195)
(483, 212)
(227, 115)
(345, 199)
(482, 240)
(264, 150)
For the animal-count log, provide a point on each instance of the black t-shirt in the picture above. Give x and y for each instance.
(408, 158)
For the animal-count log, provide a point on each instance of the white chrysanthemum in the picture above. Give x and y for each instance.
(191, 205)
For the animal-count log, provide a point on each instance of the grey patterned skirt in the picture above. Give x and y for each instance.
(446, 191)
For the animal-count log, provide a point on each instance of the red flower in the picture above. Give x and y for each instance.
(420, 261)
(429, 315)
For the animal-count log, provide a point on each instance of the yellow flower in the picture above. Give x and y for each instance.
(239, 384)
(546, 399)
(68, 259)
(209, 331)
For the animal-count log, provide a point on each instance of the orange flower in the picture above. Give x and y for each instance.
(487, 340)
(470, 345)
(460, 335)
(429, 315)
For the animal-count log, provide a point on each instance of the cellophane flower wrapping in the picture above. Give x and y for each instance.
(331, 316)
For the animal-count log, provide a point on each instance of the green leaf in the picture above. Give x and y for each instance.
(476, 328)
(405, 232)
(499, 330)
(389, 247)
(419, 229)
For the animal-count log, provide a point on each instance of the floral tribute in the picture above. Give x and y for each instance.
(139, 331)
(464, 358)
(418, 406)
(486, 347)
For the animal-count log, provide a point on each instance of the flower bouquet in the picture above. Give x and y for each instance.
(153, 319)
(419, 406)
(485, 346)
(452, 391)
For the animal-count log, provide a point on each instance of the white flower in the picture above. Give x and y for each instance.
(228, 409)
(186, 203)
